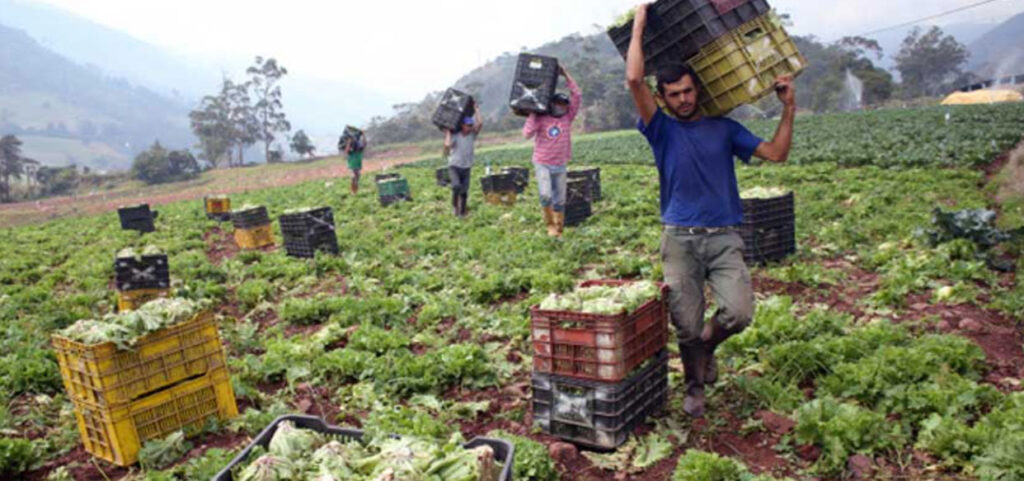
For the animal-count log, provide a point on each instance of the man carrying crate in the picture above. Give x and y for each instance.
(353, 148)
(459, 148)
(552, 150)
(700, 207)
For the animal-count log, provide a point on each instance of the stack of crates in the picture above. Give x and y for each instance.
(309, 231)
(737, 47)
(596, 377)
(137, 217)
(252, 227)
(578, 200)
(768, 229)
(217, 208)
(534, 84)
(499, 189)
(392, 188)
(593, 175)
(173, 379)
(454, 106)
(520, 176)
(140, 279)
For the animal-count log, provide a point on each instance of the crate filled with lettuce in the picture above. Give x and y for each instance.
(308, 230)
(769, 224)
(305, 447)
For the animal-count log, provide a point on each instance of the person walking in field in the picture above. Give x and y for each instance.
(700, 207)
(353, 149)
(459, 148)
(552, 151)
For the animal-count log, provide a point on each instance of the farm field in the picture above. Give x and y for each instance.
(872, 353)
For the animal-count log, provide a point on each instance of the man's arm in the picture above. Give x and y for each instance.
(530, 128)
(575, 95)
(478, 121)
(778, 149)
(642, 96)
(447, 142)
(348, 145)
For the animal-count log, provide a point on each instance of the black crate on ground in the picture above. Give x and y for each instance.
(250, 218)
(137, 217)
(578, 190)
(380, 177)
(504, 451)
(677, 29)
(593, 177)
(454, 106)
(534, 84)
(498, 183)
(143, 272)
(307, 246)
(577, 212)
(595, 414)
(310, 231)
(520, 175)
(444, 177)
(768, 229)
(386, 200)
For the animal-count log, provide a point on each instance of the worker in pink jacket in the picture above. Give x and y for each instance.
(552, 150)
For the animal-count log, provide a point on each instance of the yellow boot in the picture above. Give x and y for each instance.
(559, 223)
(549, 220)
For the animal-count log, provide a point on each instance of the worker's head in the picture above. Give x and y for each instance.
(467, 125)
(679, 87)
(559, 105)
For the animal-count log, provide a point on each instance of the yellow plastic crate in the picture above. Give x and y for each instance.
(117, 434)
(104, 375)
(507, 198)
(133, 299)
(254, 238)
(741, 67)
(218, 205)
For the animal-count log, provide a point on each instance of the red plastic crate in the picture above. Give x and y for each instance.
(596, 346)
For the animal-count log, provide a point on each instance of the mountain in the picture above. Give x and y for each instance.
(1000, 52)
(69, 113)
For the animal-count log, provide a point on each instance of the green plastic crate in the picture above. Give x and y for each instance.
(741, 67)
(392, 187)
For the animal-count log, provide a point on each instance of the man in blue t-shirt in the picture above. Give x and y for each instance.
(700, 207)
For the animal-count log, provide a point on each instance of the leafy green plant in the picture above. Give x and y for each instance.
(532, 463)
(842, 429)
(253, 292)
(17, 456)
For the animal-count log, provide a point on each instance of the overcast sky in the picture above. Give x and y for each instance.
(408, 48)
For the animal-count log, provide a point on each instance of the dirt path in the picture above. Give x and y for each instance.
(225, 181)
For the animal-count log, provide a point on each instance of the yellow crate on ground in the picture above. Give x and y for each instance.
(117, 434)
(133, 299)
(255, 237)
(220, 204)
(741, 66)
(103, 375)
(507, 198)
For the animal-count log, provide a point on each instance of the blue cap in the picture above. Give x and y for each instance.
(468, 121)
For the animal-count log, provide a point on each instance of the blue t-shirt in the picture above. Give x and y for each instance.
(697, 170)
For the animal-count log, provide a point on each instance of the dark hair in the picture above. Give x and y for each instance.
(673, 73)
(560, 98)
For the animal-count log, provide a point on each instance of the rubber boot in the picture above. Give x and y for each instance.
(549, 220)
(463, 204)
(694, 367)
(559, 222)
(712, 336)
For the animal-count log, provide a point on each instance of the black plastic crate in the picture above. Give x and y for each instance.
(454, 106)
(520, 176)
(577, 212)
(308, 223)
(250, 218)
(386, 200)
(138, 217)
(504, 451)
(593, 178)
(578, 190)
(219, 216)
(444, 177)
(498, 183)
(677, 29)
(352, 133)
(380, 177)
(534, 84)
(765, 212)
(596, 414)
(143, 272)
(307, 246)
(768, 244)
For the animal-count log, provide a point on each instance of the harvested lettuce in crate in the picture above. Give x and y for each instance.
(125, 328)
(603, 299)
